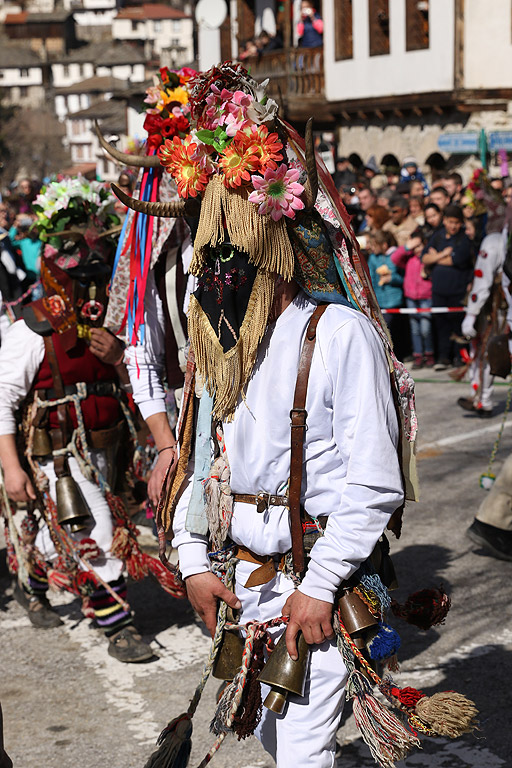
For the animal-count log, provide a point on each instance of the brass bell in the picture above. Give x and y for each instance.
(283, 674)
(41, 444)
(71, 506)
(229, 657)
(355, 614)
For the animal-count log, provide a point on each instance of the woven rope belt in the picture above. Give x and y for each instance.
(262, 501)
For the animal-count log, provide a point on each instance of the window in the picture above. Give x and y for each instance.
(80, 70)
(343, 30)
(23, 91)
(135, 26)
(65, 70)
(379, 27)
(176, 26)
(157, 25)
(24, 72)
(416, 25)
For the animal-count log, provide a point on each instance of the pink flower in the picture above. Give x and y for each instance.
(278, 192)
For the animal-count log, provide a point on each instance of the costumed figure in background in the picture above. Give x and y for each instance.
(492, 526)
(285, 522)
(149, 285)
(63, 371)
(485, 315)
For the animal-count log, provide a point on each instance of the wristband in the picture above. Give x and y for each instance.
(167, 448)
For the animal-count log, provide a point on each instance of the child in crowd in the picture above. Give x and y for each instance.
(418, 295)
(386, 279)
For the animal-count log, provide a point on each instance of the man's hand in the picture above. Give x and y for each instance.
(18, 484)
(313, 617)
(106, 346)
(204, 591)
(156, 480)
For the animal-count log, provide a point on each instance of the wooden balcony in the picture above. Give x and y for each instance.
(296, 81)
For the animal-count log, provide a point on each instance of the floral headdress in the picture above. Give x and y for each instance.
(74, 216)
(168, 110)
(483, 198)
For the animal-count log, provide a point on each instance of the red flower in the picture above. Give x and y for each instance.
(182, 124)
(169, 127)
(179, 157)
(153, 124)
(164, 74)
(154, 141)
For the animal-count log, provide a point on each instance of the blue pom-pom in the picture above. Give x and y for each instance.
(384, 644)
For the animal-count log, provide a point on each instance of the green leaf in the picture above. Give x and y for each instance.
(207, 137)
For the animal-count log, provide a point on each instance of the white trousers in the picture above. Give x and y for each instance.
(485, 380)
(304, 736)
(101, 527)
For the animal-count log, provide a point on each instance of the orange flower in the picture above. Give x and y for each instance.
(268, 144)
(180, 160)
(239, 160)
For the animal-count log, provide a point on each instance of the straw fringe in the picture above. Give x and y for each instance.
(227, 373)
(265, 240)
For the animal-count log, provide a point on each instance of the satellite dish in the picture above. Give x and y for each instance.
(211, 13)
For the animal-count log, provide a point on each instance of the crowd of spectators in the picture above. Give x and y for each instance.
(421, 243)
(309, 34)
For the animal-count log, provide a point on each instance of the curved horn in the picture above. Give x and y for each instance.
(311, 187)
(167, 210)
(138, 161)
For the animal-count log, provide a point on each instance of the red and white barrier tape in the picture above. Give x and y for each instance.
(421, 310)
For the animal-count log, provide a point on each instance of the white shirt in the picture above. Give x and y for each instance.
(21, 355)
(145, 362)
(351, 469)
(488, 263)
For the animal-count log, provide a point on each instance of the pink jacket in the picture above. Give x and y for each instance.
(415, 286)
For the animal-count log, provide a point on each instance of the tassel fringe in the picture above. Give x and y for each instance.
(448, 713)
(265, 240)
(174, 745)
(226, 373)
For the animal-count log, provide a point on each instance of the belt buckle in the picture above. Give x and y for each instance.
(262, 500)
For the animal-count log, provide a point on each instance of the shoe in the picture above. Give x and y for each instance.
(418, 362)
(38, 608)
(128, 646)
(495, 541)
(442, 365)
(467, 404)
(429, 360)
(484, 413)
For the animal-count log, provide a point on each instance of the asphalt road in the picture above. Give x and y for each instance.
(67, 703)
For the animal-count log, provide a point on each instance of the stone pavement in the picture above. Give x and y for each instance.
(67, 703)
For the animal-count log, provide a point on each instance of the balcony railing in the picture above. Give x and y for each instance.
(296, 74)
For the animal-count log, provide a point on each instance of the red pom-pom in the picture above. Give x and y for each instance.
(478, 273)
(425, 609)
(409, 697)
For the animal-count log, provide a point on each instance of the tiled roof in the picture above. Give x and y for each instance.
(17, 56)
(36, 18)
(111, 114)
(150, 11)
(104, 54)
(94, 85)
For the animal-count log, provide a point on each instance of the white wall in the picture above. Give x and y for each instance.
(75, 73)
(15, 76)
(487, 44)
(399, 72)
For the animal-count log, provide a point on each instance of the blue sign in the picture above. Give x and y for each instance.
(459, 143)
(500, 140)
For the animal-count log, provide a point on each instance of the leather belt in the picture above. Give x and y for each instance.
(262, 501)
(100, 388)
(267, 570)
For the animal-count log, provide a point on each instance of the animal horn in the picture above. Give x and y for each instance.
(311, 187)
(138, 161)
(167, 210)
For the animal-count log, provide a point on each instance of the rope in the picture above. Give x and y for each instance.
(497, 442)
(13, 533)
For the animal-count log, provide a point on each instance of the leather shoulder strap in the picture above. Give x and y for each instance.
(298, 418)
(61, 435)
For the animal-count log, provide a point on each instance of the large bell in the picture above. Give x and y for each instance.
(229, 657)
(41, 443)
(355, 614)
(283, 674)
(71, 506)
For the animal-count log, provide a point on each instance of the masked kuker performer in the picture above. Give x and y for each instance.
(149, 285)
(65, 372)
(291, 362)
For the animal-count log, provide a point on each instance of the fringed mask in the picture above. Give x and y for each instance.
(232, 172)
